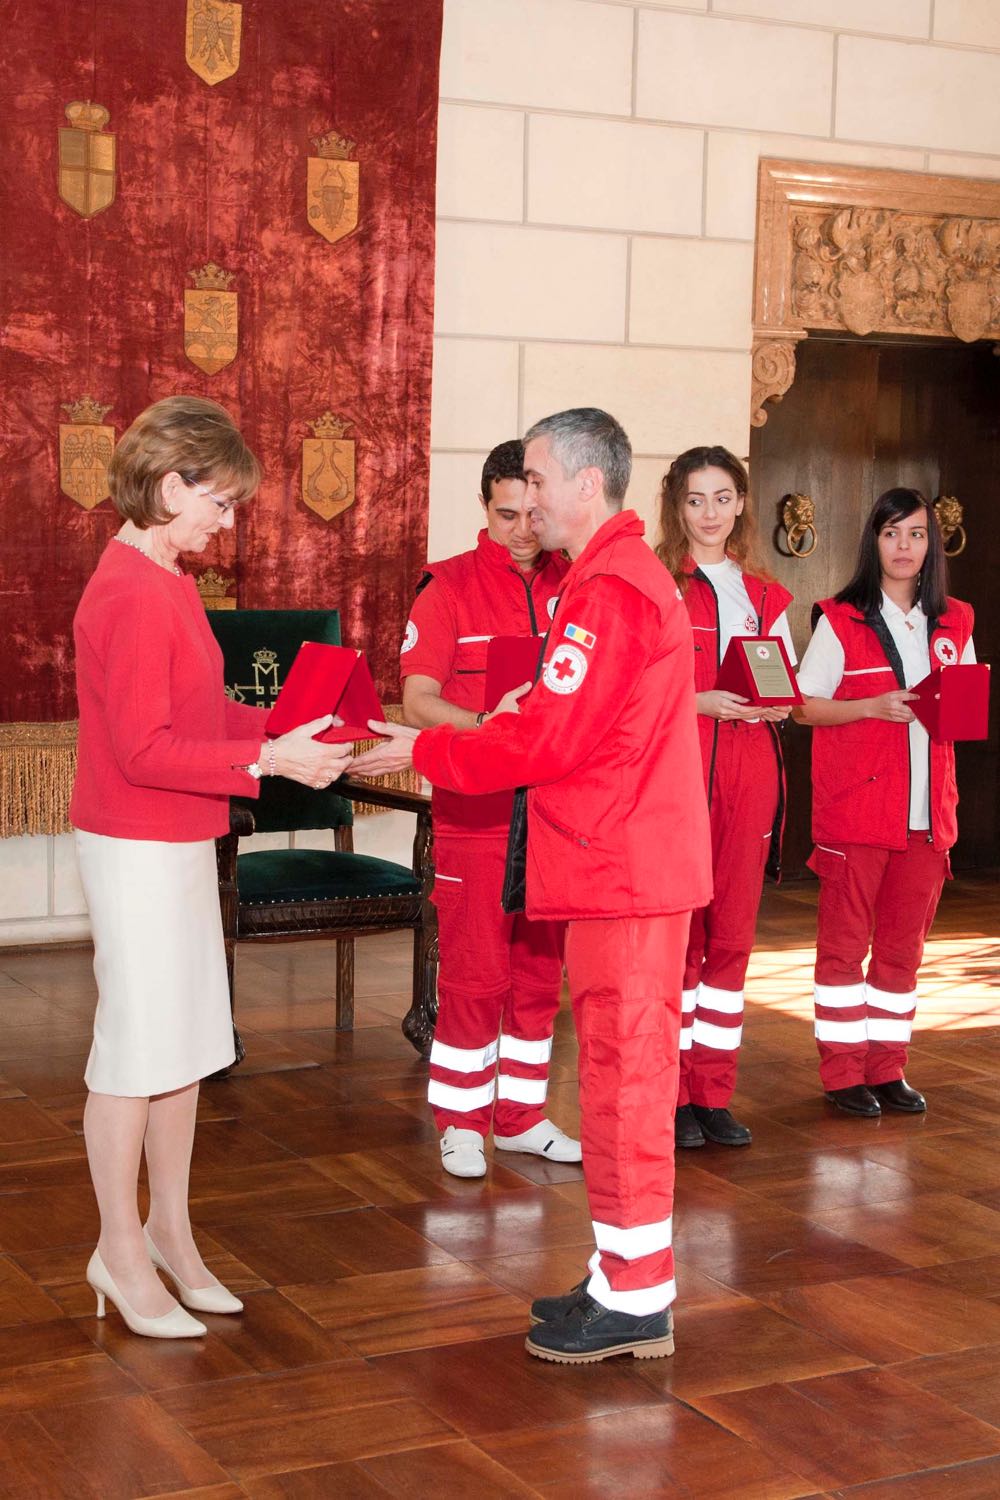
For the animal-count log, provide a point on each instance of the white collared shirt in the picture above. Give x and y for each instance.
(822, 672)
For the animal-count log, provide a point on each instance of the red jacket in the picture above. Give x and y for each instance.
(607, 742)
(769, 600)
(460, 605)
(158, 736)
(861, 771)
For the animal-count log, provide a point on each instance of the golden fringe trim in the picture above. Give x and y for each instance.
(397, 781)
(37, 770)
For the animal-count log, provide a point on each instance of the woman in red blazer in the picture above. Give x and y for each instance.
(161, 749)
(708, 540)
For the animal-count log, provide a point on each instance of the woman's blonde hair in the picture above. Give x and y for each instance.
(674, 545)
(186, 435)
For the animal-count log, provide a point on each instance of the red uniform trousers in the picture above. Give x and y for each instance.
(499, 983)
(744, 802)
(625, 982)
(885, 900)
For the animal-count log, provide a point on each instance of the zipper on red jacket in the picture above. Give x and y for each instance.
(876, 623)
(773, 864)
(930, 777)
(532, 617)
(718, 663)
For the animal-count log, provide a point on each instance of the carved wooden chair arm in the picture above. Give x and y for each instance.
(241, 820)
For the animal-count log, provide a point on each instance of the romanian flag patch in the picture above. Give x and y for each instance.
(581, 636)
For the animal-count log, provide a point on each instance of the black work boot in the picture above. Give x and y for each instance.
(856, 1100)
(687, 1131)
(898, 1095)
(719, 1126)
(547, 1309)
(591, 1333)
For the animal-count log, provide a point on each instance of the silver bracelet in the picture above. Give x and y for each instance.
(270, 759)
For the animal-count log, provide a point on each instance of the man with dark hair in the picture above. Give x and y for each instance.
(617, 845)
(500, 975)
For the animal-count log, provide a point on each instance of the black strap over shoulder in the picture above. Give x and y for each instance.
(875, 622)
(425, 579)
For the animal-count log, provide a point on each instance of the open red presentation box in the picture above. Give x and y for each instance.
(327, 680)
(953, 703)
(758, 669)
(511, 661)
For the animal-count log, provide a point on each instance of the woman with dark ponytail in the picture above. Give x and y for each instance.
(708, 540)
(884, 798)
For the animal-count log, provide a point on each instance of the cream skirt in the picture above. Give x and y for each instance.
(163, 1016)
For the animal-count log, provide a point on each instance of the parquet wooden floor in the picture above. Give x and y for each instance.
(838, 1330)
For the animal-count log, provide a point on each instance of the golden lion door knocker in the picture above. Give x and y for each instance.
(949, 517)
(798, 517)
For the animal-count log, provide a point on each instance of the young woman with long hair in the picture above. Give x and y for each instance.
(884, 797)
(708, 540)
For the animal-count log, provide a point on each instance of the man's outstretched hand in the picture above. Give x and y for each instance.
(395, 753)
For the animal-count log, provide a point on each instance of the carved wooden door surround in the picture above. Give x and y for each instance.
(864, 250)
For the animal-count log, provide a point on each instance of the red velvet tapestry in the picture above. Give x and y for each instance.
(291, 197)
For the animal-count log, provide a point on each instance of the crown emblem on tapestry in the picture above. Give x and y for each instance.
(329, 426)
(85, 410)
(332, 184)
(333, 146)
(83, 115)
(212, 277)
(86, 159)
(211, 319)
(85, 449)
(329, 466)
(214, 589)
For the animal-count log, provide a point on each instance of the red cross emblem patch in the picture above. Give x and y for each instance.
(565, 669)
(946, 651)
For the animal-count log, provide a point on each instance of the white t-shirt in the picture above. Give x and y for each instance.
(822, 672)
(736, 613)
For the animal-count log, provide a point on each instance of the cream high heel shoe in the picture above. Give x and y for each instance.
(209, 1299)
(176, 1324)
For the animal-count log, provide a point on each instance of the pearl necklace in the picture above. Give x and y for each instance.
(143, 553)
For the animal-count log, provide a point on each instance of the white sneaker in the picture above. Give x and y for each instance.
(462, 1153)
(543, 1139)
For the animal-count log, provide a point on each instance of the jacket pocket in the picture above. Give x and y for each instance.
(448, 891)
(852, 790)
(567, 833)
(470, 657)
(828, 863)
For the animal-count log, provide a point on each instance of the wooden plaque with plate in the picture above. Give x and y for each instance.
(757, 668)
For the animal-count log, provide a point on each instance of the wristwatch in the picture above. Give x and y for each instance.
(253, 770)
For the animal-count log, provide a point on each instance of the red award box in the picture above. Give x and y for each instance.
(511, 661)
(953, 702)
(757, 668)
(327, 680)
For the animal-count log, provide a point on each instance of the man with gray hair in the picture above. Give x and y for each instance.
(613, 838)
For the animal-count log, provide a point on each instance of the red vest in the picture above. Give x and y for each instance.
(769, 600)
(861, 771)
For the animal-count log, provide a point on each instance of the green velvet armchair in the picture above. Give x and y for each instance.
(302, 892)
